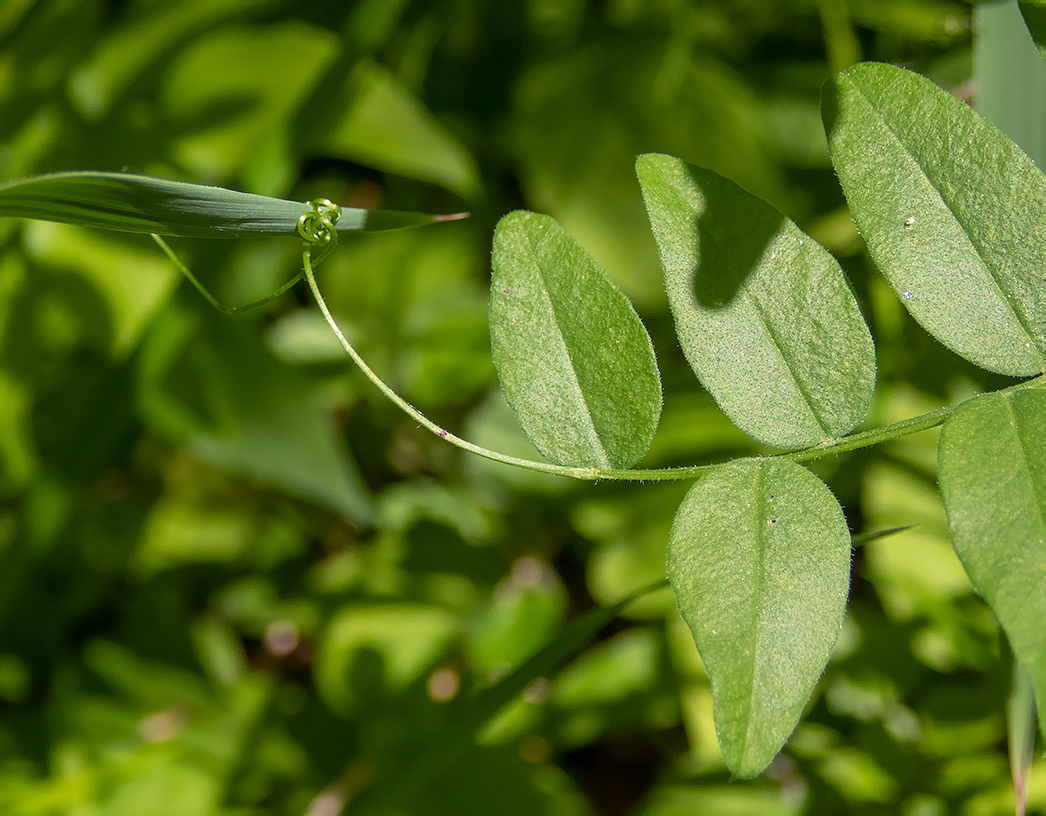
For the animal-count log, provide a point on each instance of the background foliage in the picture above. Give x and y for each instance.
(235, 580)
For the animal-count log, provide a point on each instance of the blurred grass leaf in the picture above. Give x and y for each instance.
(950, 209)
(574, 360)
(993, 479)
(759, 559)
(763, 313)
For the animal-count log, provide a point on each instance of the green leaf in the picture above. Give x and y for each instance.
(763, 313)
(992, 464)
(130, 203)
(1034, 12)
(759, 559)
(574, 360)
(951, 211)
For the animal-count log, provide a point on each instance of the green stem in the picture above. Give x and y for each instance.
(211, 298)
(849, 443)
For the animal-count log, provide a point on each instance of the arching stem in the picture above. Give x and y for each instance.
(860, 440)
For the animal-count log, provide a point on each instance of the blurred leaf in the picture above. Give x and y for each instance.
(573, 358)
(796, 127)
(303, 336)
(12, 13)
(493, 425)
(950, 210)
(859, 778)
(130, 203)
(131, 52)
(220, 651)
(458, 739)
(241, 409)
(1034, 12)
(759, 558)
(1020, 727)
(405, 639)
(500, 781)
(526, 609)
(149, 686)
(134, 279)
(380, 123)
(15, 681)
(231, 92)
(714, 800)
(615, 687)
(630, 538)
(18, 459)
(187, 535)
(914, 20)
(916, 574)
(693, 430)
(583, 114)
(623, 665)
(166, 789)
(417, 309)
(763, 313)
(993, 479)
(868, 538)
(1010, 77)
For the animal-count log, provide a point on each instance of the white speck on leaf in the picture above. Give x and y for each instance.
(910, 221)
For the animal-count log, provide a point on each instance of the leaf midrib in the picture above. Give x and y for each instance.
(759, 596)
(800, 384)
(1025, 466)
(566, 346)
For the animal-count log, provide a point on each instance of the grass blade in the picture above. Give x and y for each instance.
(144, 204)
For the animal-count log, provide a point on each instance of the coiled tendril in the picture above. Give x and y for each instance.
(317, 227)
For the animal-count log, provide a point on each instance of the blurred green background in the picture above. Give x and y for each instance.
(234, 580)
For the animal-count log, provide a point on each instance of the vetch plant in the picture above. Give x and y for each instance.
(759, 552)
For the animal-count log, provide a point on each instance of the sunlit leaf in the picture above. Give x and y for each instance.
(951, 211)
(573, 358)
(763, 313)
(993, 479)
(759, 559)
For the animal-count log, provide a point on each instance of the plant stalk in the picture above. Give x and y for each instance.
(835, 447)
